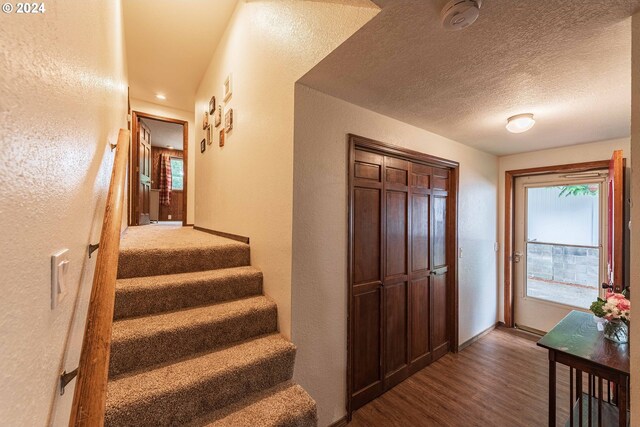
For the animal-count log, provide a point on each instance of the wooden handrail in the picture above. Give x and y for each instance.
(90, 396)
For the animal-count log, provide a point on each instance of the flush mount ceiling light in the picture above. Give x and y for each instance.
(520, 123)
(459, 14)
(160, 96)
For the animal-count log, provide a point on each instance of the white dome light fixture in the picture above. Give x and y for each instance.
(520, 123)
(459, 14)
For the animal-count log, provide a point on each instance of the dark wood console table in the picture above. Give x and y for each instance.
(577, 343)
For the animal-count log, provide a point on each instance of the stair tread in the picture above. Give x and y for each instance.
(158, 237)
(172, 378)
(145, 326)
(154, 251)
(176, 280)
(140, 296)
(286, 404)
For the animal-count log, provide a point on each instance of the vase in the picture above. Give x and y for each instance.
(616, 331)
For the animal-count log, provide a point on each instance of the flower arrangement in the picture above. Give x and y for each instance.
(615, 308)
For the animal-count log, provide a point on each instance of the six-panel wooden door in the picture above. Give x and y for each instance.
(144, 172)
(399, 266)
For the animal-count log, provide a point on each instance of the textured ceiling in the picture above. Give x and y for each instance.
(163, 134)
(568, 62)
(169, 46)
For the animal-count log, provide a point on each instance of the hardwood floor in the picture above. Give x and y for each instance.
(499, 381)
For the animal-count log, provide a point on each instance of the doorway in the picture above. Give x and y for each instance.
(402, 265)
(559, 254)
(563, 239)
(158, 182)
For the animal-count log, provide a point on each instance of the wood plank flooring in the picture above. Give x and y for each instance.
(499, 381)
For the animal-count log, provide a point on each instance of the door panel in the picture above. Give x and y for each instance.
(366, 343)
(439, 232)
(419, 233)
(420, 321)
(144, 170)
(439, 335)
(366, 235)
(395, 327)
(396, 233)
(367, 171)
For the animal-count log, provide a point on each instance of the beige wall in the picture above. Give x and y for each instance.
(173, 113)
(245, 188)
(320, 235)
(557, 156)
(63, 98)
(635, 217)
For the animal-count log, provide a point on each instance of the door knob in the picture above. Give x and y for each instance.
(517, 256)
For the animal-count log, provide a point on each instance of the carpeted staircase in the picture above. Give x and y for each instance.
(194, 341)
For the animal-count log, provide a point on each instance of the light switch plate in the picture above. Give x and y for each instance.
(59, 276)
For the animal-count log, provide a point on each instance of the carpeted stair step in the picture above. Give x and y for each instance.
(177, 393)
(285, 405)
(139, 296)
(145, 341)
(150, 261)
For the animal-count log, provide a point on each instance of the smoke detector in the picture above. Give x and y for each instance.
(459, 14)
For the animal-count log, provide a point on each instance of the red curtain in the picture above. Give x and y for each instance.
(165, 180)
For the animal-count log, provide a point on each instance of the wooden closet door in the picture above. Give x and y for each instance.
(367, 309)
(399, 301)
(439, 262)
(396, 277)
(419, 290)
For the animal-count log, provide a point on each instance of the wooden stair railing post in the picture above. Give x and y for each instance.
(89, 399)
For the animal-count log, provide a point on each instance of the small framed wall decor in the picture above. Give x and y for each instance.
(212, 105)
(228, 120)
(221, 137)
(203, 145)
(217, 117)
(205, 120)
(227, 88)
(209, 135)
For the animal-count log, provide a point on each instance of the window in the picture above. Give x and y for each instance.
(563, 243)
(177, 173)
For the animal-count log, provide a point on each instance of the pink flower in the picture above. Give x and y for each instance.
(624, 305)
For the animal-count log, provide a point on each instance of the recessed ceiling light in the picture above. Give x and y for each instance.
(520, 123)
(170, 147)
(160, 96)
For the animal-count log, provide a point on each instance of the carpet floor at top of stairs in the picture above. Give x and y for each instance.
(195, 341)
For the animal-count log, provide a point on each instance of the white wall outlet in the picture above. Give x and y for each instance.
(496, 247)
(169, 216)
(459, 252)
(59, 274)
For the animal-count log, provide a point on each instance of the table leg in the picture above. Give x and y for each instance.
(579, 395)
(622, 401)
(552, 390)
